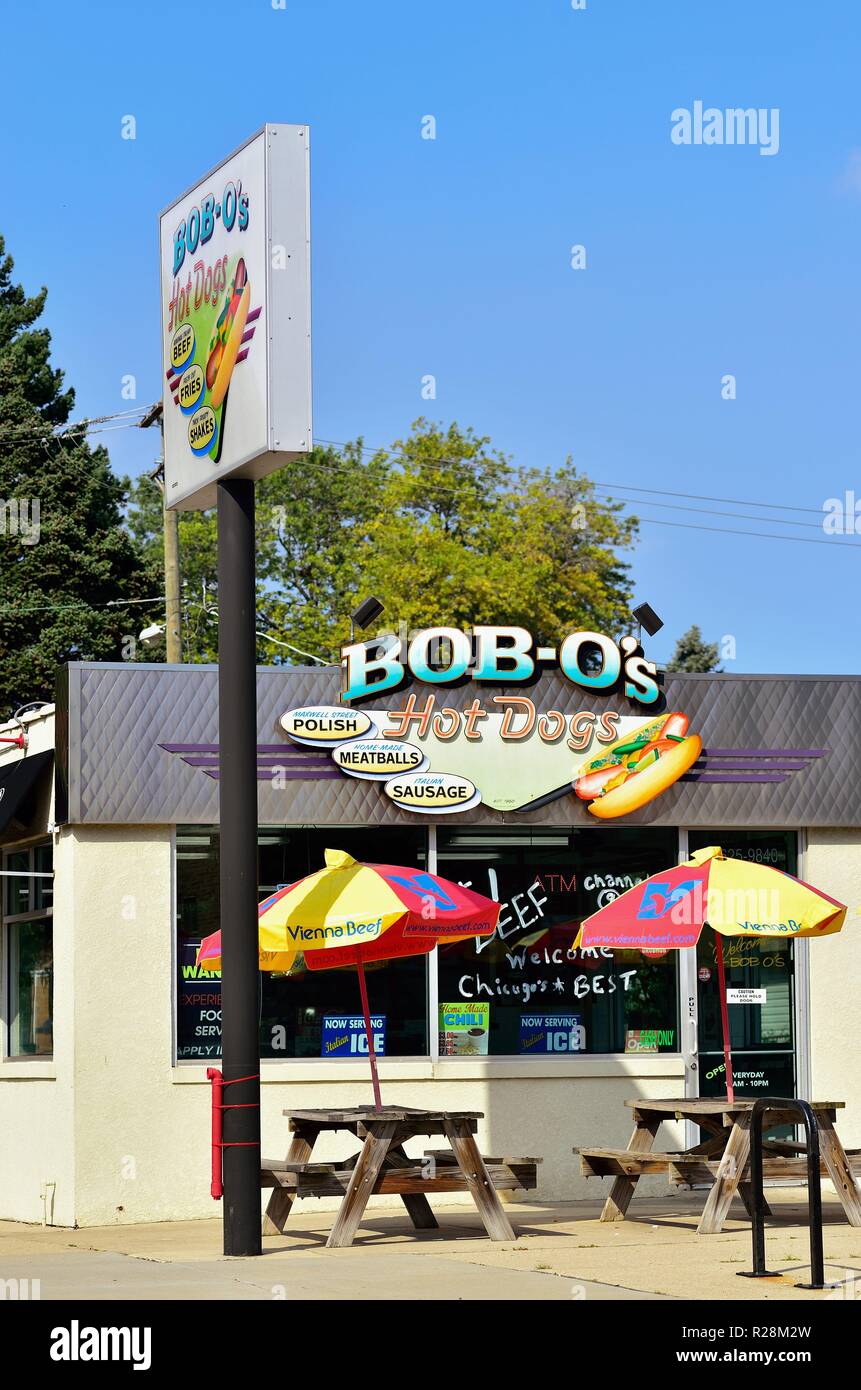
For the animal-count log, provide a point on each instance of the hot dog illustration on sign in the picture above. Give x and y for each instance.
(212, 339)
(631, 772)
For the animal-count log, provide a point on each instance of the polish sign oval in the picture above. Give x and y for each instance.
(432, 793)
(325, 726)
(378, 759)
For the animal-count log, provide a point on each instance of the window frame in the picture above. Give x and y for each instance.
(432, 1056)
(11, 919)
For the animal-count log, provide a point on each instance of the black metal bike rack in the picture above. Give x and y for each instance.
(814, 1190)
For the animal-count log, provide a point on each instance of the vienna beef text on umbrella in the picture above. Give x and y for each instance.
(732, 896)
(350, 914)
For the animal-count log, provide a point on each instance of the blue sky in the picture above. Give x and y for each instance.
(451, 257)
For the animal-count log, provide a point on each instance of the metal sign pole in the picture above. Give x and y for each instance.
(237, 740)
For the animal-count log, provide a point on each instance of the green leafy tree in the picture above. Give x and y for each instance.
(67, 563)
(465, 537)
(312, 521)
(441, 527)
(692, 653)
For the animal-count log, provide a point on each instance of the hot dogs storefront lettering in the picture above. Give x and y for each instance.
(501, 748)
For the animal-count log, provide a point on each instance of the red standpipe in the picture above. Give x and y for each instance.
(214, 1075)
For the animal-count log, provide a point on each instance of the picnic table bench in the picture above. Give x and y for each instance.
(382, 1167)
(721, 1159)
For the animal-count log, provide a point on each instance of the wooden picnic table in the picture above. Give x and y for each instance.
(721, 1159)
(382, 1166)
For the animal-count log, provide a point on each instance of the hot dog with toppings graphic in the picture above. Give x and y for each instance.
(631, 772)
(225, 342)
(213, 337)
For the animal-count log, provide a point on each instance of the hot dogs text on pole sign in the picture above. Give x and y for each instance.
(236, 318)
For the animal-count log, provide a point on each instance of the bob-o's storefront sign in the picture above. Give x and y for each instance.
(236, 323)
(498, 656)
(500, 747)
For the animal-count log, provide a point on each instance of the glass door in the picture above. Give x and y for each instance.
(760, 978)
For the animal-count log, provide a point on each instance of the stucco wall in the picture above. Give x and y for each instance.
(124, 1134)
(834, 864)
(142, 1126)
(36, 1095)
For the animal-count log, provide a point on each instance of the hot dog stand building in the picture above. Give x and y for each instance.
(498, 776)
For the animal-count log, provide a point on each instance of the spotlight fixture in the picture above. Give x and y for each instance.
(647, 618)
(366, 613)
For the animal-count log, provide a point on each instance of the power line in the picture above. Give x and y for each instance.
(43, 431)
(709, 511)
(703, 497)
(758, 535)
(611, 487)
(82, 604)
(131, 419)
(212, 614)
(664, 492)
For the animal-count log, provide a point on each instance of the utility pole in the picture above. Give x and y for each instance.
(170, 526)
(173, 630)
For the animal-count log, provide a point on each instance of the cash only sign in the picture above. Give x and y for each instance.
(499, 748)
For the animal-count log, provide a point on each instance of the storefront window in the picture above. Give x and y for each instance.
(28, 945)
(301, 1014)
(526, 991)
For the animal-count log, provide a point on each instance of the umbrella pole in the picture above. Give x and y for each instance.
(375, 1080)
(724, 1018)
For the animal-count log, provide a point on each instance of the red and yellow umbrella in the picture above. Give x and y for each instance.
(349, 914)
(732, 896)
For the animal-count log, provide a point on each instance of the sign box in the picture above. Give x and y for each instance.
(745, 996)
(464, 1029)
(344, 1035)
(551, 1033)
(236, 319)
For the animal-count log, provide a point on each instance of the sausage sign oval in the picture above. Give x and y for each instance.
(432, 794)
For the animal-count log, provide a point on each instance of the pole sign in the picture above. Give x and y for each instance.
(236, 319)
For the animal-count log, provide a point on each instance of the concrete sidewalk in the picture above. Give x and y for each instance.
(562, 1252)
